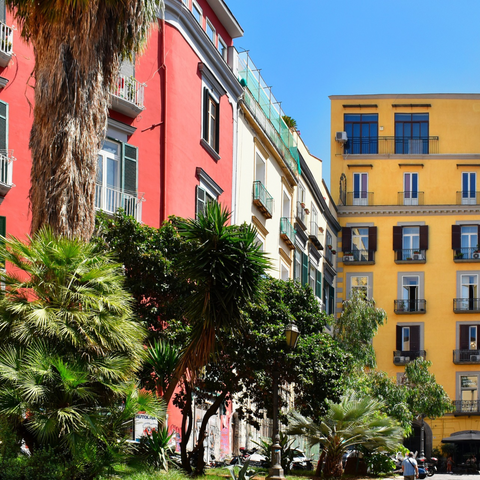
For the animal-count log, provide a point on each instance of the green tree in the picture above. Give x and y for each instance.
(354, 421)
(356, 327)
(78, 46)
(70, 347)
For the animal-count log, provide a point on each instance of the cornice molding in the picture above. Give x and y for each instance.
(285, 256)
(389, 210)
(260, 227)
(416, 96)
(430, 156)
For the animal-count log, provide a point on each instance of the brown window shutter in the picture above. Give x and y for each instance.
(346, 239)
(424, 237)
(415, 338)
(399, 338)
(456, 237)
(397, 241)
(464, 337)
(372, 238)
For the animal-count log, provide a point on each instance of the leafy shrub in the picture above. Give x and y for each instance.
(154, 448)
(379, 463)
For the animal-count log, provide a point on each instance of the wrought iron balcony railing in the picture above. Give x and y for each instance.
(6, 169)
(409, 306)
(287, 232)
(262, 199)
(466, 356)
(359, 256)
(410, 255)
(402, 357)
(410, 198)
(467, 407)
(383, 145)
(110, 200)
(128, 95)
(359, 198)
(315, 235)
(466, 305)
(468, 197)
(6, 44)
(466, 254)
(301, 215)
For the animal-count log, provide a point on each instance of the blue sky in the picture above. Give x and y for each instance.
(310, 49)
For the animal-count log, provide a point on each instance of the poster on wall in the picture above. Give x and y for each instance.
(144, 424)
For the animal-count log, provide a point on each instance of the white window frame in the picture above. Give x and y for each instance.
(186, 3)
(284, 268)
(196, 7)
(410, 197)
(360, 196)
(471, 196)
(260, 165)
(213, 30)
(286, 204)
(222, 45)
(349, 281)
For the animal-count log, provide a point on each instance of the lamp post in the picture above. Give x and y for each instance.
(276, 471)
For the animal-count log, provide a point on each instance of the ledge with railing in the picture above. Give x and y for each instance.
(467, 407)
(466, 254)
(410, 198)
(301, 215)
(468, 197)
(466, 356)
(385, 145)
(357, 257)
(262, 199)
(466, 305)
(315, 235)
(128, 95)
(287, 232)
(110, 200)
(410, 306)
(402, 357)
(6, 44)
(6, 171)
(360, 198)
(410, 255)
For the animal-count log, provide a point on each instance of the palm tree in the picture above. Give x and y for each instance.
(70, 347)
(224, 265)
(78, 45)
(354, 421)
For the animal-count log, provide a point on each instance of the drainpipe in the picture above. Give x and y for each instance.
(163, 133)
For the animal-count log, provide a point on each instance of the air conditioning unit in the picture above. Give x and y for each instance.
(475, 358)
(341, 137)
(398, 360)
(476, 255)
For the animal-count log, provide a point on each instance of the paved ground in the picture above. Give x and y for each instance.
(444, 476)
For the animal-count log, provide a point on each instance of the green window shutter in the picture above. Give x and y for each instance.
(318, 284)
(3, 127)
(331, 299)
(3, 233)
(304, 269)
(129, 168)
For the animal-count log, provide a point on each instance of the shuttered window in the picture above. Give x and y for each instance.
(129, 168)
(211, 120)
(318, 285)
(414, 338)
(3, 127)
(304, 269)
(202, 198)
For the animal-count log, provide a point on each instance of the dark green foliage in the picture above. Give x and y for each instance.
(378, 463)
(154, 448)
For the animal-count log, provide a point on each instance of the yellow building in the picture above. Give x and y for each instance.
(404, 177)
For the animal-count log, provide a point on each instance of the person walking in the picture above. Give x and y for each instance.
(449, 464)
(409, 467)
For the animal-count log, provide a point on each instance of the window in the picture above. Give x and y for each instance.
(210, 120)
(410, 293)
(469, 291)
(116, 184)
(211, 31)
(330, 246)
(301, 267)
(360, 284)
(362, 133)
(197, 12)
(301, 204)
(469, 187)
(312, 276)
(284, 271)
(465, 242)
(468, 392)
(411, 133)
(222, 48)
(410, 189)
(410, 243)
(360, 189)
(362, 281)
(468, 340)
(408, 339)
(185, 2)
(207, 190)
(359, 243)
(260, 168)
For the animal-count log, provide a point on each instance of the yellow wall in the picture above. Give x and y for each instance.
(456, 121)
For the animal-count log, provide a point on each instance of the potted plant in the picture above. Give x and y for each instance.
(417, 255)
(307, 211)
(334, 252)
(459, 255)
(329, 246)
(409, 258)
(320, 229)
(348, 257)
(302, 204)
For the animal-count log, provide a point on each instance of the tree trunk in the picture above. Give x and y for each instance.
(333, 465)
(318, 472)
(186, 430)
(200, 467)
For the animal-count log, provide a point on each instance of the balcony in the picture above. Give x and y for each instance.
(466, 305)
(6, 168)
(328, 255)
(410, 198)
(406, 356)
(466, 407)
(110, 200)
(359, 257)
(360, 198)
(315, 235)
(287, 232)
(127, 96)
(410, 255)
(301, 215)
(466, 254)
(468, 198)
(466, 357)
(391, 145)
(6, 44)
(262, 199)
(409, 307)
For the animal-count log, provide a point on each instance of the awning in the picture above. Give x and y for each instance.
(464, 436)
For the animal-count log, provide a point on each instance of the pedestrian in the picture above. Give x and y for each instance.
(449, 464)
(409, 467)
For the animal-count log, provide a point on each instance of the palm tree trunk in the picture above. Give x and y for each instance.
(186, 430)
(318, 472)
(333, 465)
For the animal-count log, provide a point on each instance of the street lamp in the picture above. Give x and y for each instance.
(276, 471)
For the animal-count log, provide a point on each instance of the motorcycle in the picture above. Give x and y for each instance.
(429, 467)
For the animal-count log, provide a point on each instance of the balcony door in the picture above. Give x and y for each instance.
(469, 240)
(360, 188)
(410, 290)
(410, 242)
(360, 244)
(108, 177)
(410, 189)
(469, 187)
(469, 291)
(469, 393)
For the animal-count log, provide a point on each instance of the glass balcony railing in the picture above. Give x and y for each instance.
(262, 199)
(360, 198)
(287, 232)
(410, 198)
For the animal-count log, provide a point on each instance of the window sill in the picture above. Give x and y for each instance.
(210, 150)
(404, 262)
